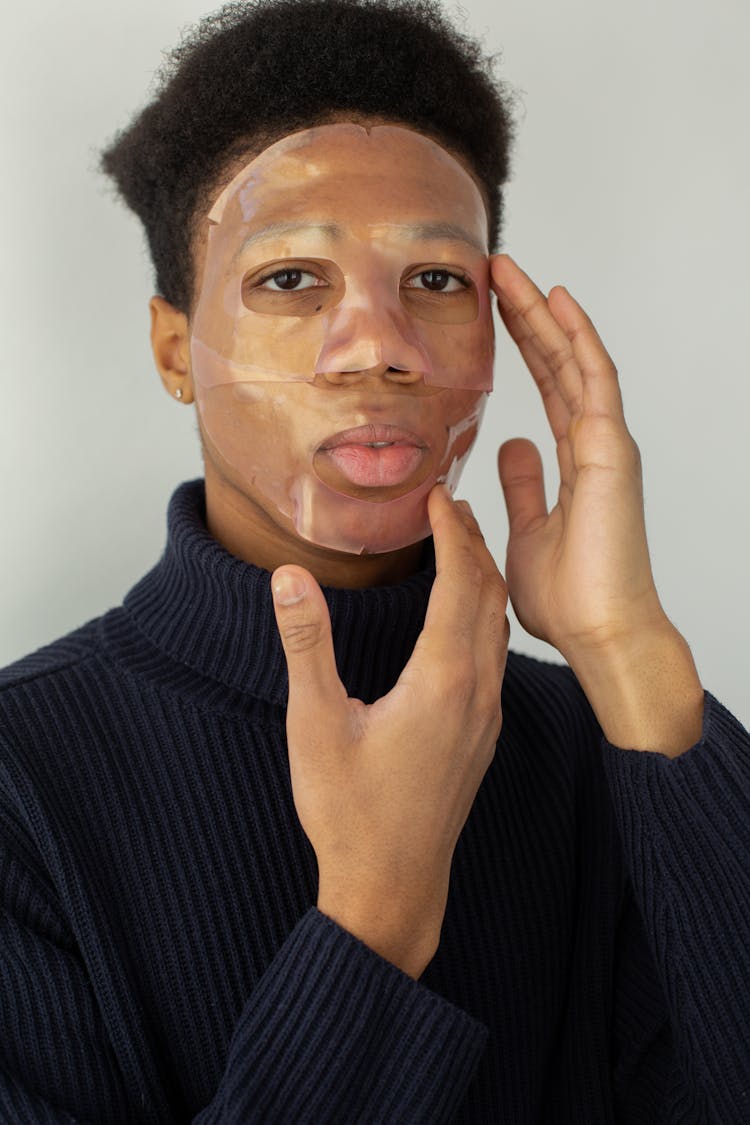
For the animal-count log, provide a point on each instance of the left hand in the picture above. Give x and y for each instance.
(579, 576)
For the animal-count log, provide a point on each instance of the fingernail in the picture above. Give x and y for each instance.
(288, 589)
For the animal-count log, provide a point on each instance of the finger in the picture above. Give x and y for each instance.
(304, 625)
(568, 473)
(526, 314)
(557, 411)
(522, 478)
(452, 608)
(492, 627)
(481, 550)
(601, 388)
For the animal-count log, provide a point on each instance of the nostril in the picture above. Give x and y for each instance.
(397, 375)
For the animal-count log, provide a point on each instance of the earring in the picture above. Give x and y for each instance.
(178, 393)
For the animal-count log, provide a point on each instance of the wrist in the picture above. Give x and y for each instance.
(407, 938)
(644, 689)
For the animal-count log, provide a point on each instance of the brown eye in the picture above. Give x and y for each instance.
(288, 280)
(293, 288)
(438, 281)
(442, 296)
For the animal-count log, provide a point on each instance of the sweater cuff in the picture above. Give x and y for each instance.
(333, 1031)
(722, 733)
(685, 827)
(650, 786)
(678, 814)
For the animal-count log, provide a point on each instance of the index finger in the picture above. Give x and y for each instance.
(454, 600)
(526, 313)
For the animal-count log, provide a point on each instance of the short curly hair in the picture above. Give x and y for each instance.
(258, 70)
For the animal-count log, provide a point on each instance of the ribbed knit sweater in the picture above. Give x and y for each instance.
(162, 958)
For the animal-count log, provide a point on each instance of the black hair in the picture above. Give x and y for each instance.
(257, 70)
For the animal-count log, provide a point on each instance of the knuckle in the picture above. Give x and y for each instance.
(526, 307)
(475, 530)
(547, 384)
(467, 562)
(558, 357)
(471, 570)
(302, 636)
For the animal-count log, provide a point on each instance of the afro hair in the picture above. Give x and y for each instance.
(258, 70)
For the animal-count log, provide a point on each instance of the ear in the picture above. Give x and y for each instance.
(170, 343)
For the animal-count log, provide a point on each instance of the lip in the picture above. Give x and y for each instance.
(349, 461)
(373, 432)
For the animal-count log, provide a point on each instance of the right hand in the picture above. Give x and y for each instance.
(383, 791)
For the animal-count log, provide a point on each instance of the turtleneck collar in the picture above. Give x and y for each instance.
(206, 610)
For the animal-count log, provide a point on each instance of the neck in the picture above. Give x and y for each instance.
(244, 529)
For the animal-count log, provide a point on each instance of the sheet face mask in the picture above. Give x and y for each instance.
(342, 343)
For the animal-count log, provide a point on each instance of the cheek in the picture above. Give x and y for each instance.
(283, 346)
(255, 427)
(453, 411)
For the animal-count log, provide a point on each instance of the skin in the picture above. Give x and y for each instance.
(384, 790)
(242, 517)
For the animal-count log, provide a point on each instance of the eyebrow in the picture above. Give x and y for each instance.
(273, 230)
(450, 232)
(416, 231)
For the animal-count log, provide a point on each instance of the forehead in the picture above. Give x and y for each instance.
(354, 175)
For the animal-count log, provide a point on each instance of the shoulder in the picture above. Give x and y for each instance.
(51, 659)
(46, 696)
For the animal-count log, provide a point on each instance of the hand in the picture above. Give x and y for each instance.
(383, 791)
(579, 576)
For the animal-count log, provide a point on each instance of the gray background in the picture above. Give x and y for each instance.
(630, 186)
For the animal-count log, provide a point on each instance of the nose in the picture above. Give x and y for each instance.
(366, 340)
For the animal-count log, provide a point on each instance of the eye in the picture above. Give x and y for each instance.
(440, 281)
(289, 280)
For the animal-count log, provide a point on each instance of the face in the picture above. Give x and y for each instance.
(342, 340)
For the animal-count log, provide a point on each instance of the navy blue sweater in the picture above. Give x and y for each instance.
(161, 955)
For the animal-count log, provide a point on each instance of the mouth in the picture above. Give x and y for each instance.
(376, 455)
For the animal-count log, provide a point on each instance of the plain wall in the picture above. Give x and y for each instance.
(630, 186)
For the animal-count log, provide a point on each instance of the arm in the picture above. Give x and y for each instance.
(383, 790)
(331, 1031)
(685, 826)
(649, 1081)
(579, 577)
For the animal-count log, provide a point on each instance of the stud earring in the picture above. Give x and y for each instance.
(178, 393)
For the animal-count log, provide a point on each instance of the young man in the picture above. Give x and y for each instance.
(273, 853)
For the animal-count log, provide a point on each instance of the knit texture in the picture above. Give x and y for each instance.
(161, 955)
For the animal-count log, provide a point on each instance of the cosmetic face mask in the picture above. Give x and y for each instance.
(342, 342)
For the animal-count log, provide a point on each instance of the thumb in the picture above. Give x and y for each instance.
(521, 475)
(305, 628)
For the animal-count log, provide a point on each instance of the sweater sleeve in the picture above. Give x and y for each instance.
(332, 1032)
(685, 827)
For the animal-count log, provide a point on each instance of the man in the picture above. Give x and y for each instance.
(266, 857)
